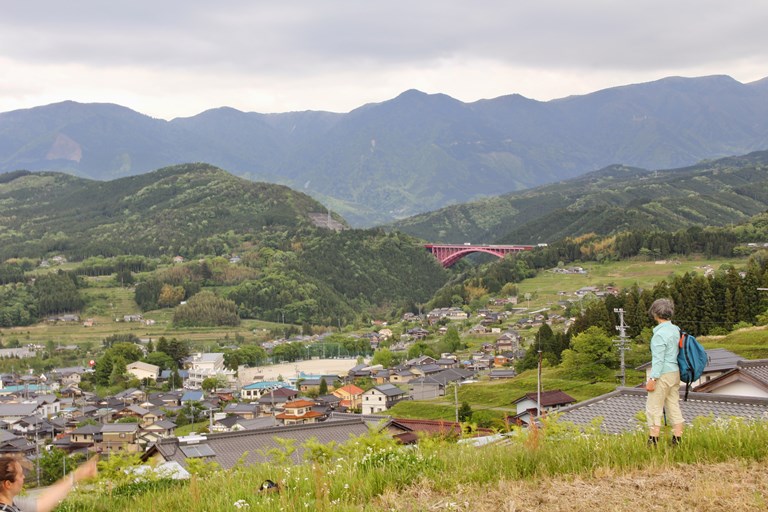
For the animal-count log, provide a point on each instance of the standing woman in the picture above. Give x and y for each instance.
(12, 480)
(663, 385)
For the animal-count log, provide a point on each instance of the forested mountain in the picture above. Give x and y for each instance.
(287, 268)
(187, 210)
(614, 199)
(411, 154)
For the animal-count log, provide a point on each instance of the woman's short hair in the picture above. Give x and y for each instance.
(662, 308)
(11, 464)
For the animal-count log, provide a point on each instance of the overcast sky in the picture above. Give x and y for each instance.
(171, 58)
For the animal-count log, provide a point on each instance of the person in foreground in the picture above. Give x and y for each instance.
(663, 385)
(12, 480)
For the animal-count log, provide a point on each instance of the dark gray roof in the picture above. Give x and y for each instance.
(373, 420)
(119, 427)
(229, 447)
(389, 390)
(720, 360)
(619, 409)
(444, 377)
(260, 422)
(757, 368)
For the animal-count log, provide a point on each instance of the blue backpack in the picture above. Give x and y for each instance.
(692, 359)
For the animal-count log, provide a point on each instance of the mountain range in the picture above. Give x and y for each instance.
(411, 154)
(617, 198)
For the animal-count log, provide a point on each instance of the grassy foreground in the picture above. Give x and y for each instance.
(371, 473)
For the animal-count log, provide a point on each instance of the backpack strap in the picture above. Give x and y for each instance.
(680, 344)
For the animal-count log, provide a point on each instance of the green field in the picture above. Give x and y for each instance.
(107, 306)
(544, 288)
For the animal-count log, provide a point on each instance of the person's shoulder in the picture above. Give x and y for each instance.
(25, 503)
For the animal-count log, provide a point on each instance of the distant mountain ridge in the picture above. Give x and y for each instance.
(614, 199)
(414, 153)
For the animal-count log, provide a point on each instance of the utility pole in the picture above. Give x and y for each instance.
(538, 386)
(622, 343)
(456, 399)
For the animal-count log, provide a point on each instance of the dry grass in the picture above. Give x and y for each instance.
(732, 485)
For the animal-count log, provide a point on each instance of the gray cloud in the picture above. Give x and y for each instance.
(288, 43)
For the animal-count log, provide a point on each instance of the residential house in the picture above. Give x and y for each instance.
(86, 435)
(298, 412)
(500, 361)
(402, 376)
(528, 405)
(274, 400)
(156, 431)
(380, 398)
(255, 390)
(435, 385)
(119, 437)
(313, 383)
(11, 413)
(67, 376)
(749, 378)
(420, 361)
(144, 416)
(328, 403)
(417, 333)
(242, 410)
(129, 396)
(479, 329)
(359, 371)
(502, 373)
(48, 405)
(13, 444)
(446, 362)
(481, 362)
(351, 396)
(508, 342)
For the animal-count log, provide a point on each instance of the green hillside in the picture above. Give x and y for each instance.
(287, 269)
(186, 209)
(617, 198)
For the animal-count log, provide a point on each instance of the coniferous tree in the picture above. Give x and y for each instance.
(707, 306)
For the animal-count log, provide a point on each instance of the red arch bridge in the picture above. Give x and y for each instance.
(449, 254)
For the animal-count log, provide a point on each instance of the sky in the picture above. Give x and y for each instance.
(177, 58)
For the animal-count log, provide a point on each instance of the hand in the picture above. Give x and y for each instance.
(88, 469)
(650, 385)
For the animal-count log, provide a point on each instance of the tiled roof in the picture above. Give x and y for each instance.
(373, 420)
(548, 398)
(351, 389)
(388, 390)
(619, 409)
(444, 377)
(299, 403)
(307, 415)
(719, 359)
(252, 445)
(433, 426)
(757, 368)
